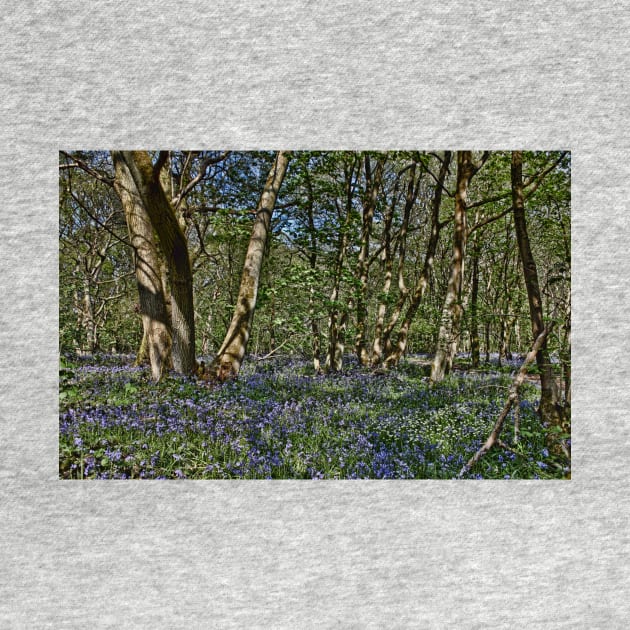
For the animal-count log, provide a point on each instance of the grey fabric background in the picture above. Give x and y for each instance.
(347, 75)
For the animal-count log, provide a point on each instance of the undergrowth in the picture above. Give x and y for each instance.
(279, 420)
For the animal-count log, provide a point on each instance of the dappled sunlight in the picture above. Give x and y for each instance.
(281, 420)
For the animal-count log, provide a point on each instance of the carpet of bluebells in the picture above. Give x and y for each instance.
(279, 420)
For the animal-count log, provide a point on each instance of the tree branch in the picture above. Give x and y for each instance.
(159, 164)
(534, 179)
(77, 163)
(97, 220)
(205, 165)
(493, 438)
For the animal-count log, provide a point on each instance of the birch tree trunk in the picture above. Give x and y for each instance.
(156, 337)
(230, 356)
(175, 249)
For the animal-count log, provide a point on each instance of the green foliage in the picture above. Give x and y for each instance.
(279, 420)
(319, 205)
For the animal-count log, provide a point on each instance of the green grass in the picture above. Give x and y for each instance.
(280, 420)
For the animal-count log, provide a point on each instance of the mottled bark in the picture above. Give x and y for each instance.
(142, 355)
(312, 261)
(88, 320)
(474, 307)
(549, 407)
(448, 336)
(372, 186)
(229, 358)
(381, 339)
(423, 281)
(175, 249)
(336, 321)
(565, 360)
(156, 339)
(387, 266)
(403, 291)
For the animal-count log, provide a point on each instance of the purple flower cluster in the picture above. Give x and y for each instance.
(277, 421)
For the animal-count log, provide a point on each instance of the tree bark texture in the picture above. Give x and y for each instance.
(372, 186)
(381, 335)
(423, 281)
(448, 336)
(312, 259)
(403, 291)
(512, 401)
(230, 356)
(175, 249)
(156, 337)
(474, 304)
(387, 264)
(549, 397)
(336, 319)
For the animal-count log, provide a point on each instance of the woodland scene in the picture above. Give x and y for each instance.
(314, 314)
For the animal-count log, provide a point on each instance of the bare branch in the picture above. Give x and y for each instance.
(484, 222)
(97, 220)
(77, 163)
(493, 438)
(205, 165)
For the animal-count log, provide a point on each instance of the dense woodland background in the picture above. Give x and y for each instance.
(312, 272)
(188, 260)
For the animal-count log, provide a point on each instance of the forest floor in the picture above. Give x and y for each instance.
(280, 420)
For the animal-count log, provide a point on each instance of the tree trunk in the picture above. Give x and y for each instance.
(337, 322)
(387, 264)
(230, 356)
(175, 249)
(474, 305)
(142, 355)
(403, 291)
(423, 281)
(381, 333)
(549, 408)
(88, 317)
(372, 185)
(156, 339)
(312, 259)
(448, 336)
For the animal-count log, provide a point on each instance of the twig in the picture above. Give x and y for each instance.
(274, 350)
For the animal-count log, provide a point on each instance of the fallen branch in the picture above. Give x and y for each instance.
(274, 350)
(512, 400)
